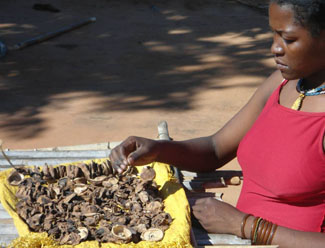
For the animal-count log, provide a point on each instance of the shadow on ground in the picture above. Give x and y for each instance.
(138, 55)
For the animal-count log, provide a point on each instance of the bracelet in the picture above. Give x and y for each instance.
(243, 223)
(260, 231)
(272, 234)
(267, 233)
(255, 230)
(263, 232)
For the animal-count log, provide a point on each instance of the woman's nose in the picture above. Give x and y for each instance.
(276, 47)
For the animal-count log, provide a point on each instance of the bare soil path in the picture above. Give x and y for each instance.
(191, 63)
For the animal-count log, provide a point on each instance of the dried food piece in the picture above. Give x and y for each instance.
(80, 180)
(97, 180)
(93, 169)
(103, 234)
(122, 233)
(55, 190)
(85, 170)
(83, 233)
(62, 171)
(148, 174)
(70, 171)
(122, 220)
(128, 205)
(154, 206)
(144, 196)
(35, 172)
(89, 208)
(54, 232)
(52, 172)
(68, 198)
(107, 167)
(76, 171)
(91, 221)
(44, 200)
(35, 221)
(69, 203)
(46, 172)
(15, 178)
(152, 234)
(139, 187)
(129, 170)
(62, 183)
(57, 173)
(23, 209)
(24, 193)
(80, 189)
(136, 207)
(70, 239)
(110, 182)
(161, 221)
(140, 228)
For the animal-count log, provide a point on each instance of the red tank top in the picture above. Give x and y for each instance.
(283, 165)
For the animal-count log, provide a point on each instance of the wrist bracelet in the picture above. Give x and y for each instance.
(267, 233)
(260, 231)
(243, 223)
(272, 234)
(255, 230)
(260, 241)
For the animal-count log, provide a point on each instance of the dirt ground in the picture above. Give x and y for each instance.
(191, 63)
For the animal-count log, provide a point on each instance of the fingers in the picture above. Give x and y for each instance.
(138, 157)
(131, 152)
(119, 154)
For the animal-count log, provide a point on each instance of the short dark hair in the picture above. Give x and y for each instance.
(308, 13)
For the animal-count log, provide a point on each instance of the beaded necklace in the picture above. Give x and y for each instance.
(302, 93)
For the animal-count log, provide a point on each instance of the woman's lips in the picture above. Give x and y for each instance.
(281, 66)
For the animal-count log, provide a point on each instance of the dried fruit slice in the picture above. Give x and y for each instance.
(121, 232)
(148, 174)
(15, 178)
(152, 234)
(79, 198)
(97, 181)
(80, 189)
(80, 180)
(110, 181)
(83, 233)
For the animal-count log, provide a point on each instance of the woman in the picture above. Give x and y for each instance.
(278, 137)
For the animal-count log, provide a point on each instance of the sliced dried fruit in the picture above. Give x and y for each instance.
(110, 182)
(152, 234)
(148, 174)
(15, 178)
(98, 180)
(121, 232)
(83, 233)
(82, 202)
(80, 189)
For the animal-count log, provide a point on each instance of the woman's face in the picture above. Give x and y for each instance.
(297, 53)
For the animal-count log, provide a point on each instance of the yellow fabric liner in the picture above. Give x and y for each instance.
(176, 204)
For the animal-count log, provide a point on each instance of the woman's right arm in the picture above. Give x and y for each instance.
(201, 154)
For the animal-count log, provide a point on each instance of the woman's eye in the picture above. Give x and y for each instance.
(288, 41)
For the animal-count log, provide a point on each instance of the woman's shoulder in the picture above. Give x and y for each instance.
(270, 84)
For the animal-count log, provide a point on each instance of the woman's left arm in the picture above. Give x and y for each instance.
(220, 217)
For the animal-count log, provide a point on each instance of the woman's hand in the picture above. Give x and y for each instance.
(217, 216)
(133, 151)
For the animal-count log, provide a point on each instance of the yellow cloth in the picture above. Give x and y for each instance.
(176, 204)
